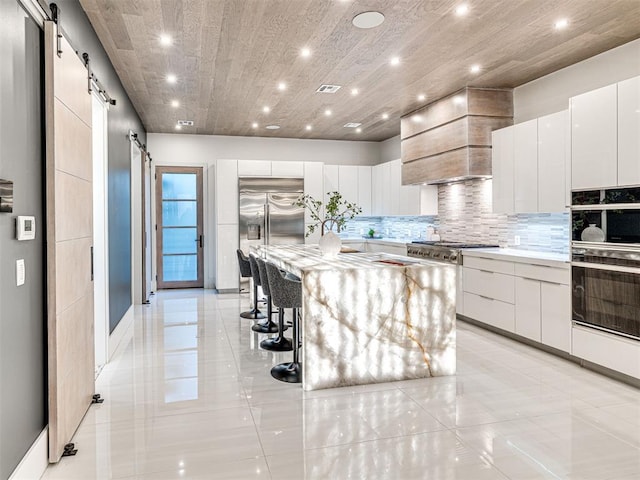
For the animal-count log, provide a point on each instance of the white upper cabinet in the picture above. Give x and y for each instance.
(348, 182)
(502, 166)
(552, 162)
(594, 139)
(287, 169)
(525, 157)
(629, 132)
(331, 183)
(313, 184)
(364, 189)
(227, 192)
(254, 168)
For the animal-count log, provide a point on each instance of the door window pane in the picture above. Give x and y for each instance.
(179, 214)
(179, 240)
(179, 186)
(179, 268)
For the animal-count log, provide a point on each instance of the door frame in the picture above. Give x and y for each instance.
(199, 171)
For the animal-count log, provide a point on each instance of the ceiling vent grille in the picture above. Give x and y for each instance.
(185, 123)
(352, 125)
(328, 88)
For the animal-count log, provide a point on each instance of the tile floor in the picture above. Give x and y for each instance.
(189, 395)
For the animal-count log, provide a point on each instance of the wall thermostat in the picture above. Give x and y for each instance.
(25, 227)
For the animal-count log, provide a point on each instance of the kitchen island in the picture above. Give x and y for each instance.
(371, 317)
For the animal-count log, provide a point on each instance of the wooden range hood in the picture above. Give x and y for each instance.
(450, 139)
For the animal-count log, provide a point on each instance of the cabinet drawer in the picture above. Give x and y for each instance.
(498, 266)
(597, 347)
(489, 311)
(544, 274)
(489, 284)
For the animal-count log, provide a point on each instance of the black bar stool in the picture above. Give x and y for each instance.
(279, 343)
(267, 326)
(245, 272)
(287, 293)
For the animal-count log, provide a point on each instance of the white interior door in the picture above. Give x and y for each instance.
(100, 243)
(136, 224)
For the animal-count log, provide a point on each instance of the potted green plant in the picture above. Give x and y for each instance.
(336, 213)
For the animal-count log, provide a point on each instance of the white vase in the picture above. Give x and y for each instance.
(330, 244)
(592, 234)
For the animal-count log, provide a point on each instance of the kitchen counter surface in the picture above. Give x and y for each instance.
(371, 317)
(521, 256)
(383, 240)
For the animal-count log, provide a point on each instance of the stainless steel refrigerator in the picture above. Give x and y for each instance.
(267, 213)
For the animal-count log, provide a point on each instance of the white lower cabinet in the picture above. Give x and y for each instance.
(617, 353)
(556, 315)
(399, 249)
(227, 270)
(533, 301)
(528, 308)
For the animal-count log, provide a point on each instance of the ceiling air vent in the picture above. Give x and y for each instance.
(185, 123)
(352, 125)
(328, 88)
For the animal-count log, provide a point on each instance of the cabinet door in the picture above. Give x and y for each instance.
(429, 200)
(525, 158)
(395, 182)
(552, 162)
(226, 258)
(556, 315)
(348, 182)
(364, 190)
(287, 169)
(594, 139)
(331, 180)
(629, 132)
(409, 200)
(313, 185)
(385, 189)
(254, 168)
(528, 308)
(502, 168)
(227, 191)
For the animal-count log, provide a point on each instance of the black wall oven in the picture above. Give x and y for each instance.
(606, 288)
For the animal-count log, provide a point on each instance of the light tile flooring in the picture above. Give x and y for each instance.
(190, 396)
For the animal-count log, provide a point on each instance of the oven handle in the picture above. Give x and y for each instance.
(602, 266)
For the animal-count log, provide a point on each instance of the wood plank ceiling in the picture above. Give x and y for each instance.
(229, 56)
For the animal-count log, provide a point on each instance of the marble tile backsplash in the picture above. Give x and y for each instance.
(464, 215)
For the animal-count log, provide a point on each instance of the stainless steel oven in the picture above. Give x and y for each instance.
(606, 288)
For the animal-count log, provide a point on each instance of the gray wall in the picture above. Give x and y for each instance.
(122, 118)
(22, 313)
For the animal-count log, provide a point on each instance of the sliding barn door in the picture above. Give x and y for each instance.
(69, 240)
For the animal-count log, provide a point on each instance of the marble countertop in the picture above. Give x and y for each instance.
(520, 256)
(303, 258)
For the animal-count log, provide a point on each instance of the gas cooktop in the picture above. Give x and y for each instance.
(442, 251)
(455, 244)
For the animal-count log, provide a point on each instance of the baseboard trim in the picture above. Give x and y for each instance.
(35, 461)
(120, 332)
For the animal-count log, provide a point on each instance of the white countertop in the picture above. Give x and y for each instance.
(383, 240)
(518, 255)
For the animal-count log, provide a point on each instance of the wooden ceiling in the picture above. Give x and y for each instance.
(230, 55)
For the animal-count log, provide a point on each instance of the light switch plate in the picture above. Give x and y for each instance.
(20, 272)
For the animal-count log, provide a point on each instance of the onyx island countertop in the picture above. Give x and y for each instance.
(371, 317)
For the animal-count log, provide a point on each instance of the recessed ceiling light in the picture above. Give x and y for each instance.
(266, 109)
(175, 103)
(358, 130)
(368, 20)
(305, 52)
(308, 127)
(562, 23)
(458, 100)
(165, 40)
(416, 118)
(272, 127)
(395, 61)
(171, 78)
(328, 112)
(254, 125)
(282, 86)
(475, 68)
(422, 97)
(385, 116)
(355, 91)
(462, 10)
(178, 127)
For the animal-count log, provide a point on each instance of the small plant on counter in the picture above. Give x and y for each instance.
(336, 212)
(371, 232)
